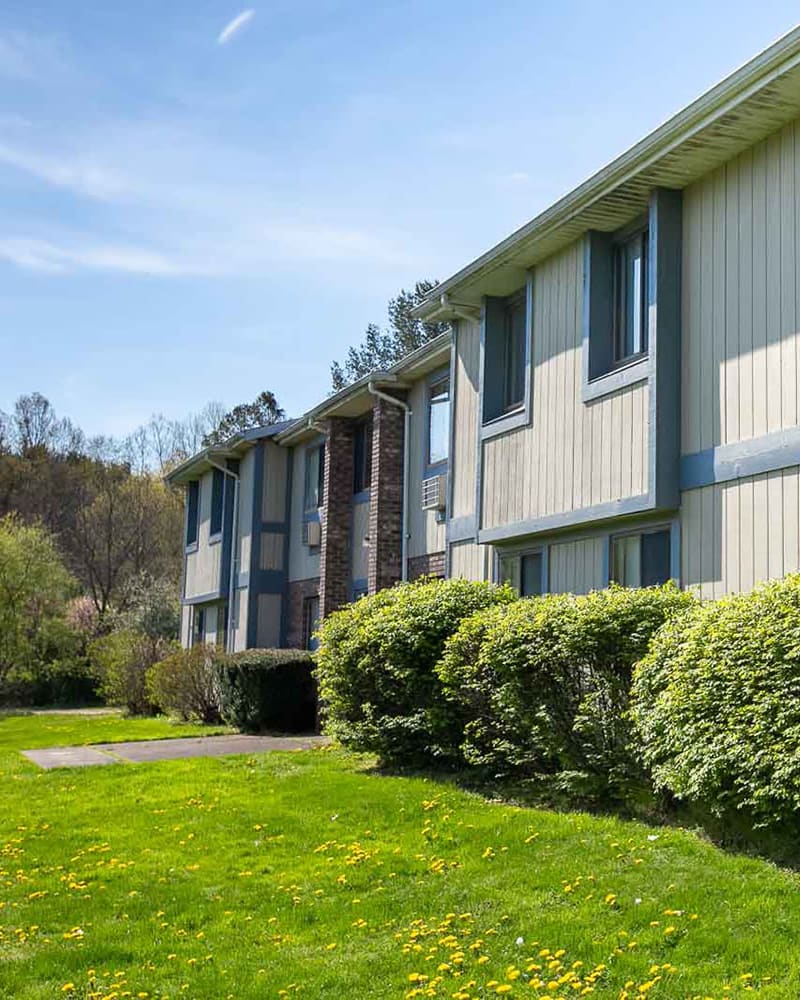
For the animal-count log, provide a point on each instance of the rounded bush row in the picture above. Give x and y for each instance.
(591, 692)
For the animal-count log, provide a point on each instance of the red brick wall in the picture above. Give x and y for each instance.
(296, 593)
(386, 496)
(334, 565)
(431, 564)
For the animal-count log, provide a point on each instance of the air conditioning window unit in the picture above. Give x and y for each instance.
(434, 493)
(312, 534)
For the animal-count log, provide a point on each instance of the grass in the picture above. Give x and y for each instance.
(29, 732)
(308, 874)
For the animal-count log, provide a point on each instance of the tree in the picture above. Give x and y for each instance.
(382, 348)
(264, 410)
(34, 589)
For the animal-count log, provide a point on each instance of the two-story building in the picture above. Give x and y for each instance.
(619, 399)
(288, 522)
(626, 366)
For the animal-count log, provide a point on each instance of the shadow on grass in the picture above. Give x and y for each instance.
(734, 832)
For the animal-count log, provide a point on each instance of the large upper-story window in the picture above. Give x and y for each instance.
(630, 297)
(217, 498)
(505, 361)
(439, 420)
(313, 496)
(192, 511)
(362, 456)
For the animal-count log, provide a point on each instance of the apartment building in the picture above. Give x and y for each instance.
(289, 522)
(618, 400)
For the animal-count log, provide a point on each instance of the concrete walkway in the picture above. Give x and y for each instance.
(141, 751)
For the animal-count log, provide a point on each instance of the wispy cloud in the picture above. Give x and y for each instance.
(82, 177)
(29, 57)
(234, 27)
(50, 258)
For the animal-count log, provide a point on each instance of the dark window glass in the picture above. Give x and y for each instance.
(514, 361)
(217, 494)
(310, 621)
(199, 629)
(630, 297)
(439, 421)
(315, 478)
(655, 558)
(362, 457)
(531, 575)
(192, 511)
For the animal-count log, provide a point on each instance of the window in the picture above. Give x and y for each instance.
(439, 421)
(315, 478)
(505, 355)
(310, 621)
(362, 456)
(217, 495)
(192, 511)
(525, 573)
(642, 560)
(199, 626)
(630, 297)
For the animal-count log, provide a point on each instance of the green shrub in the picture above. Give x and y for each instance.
(542, 686)
(185, 684)
(267, 689)
(376, 667)
(121, 661)
(717, 704)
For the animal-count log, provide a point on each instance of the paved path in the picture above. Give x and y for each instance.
(171, 749)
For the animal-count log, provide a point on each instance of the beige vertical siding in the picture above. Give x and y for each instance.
(276, 466)
(240, 610)
(303, 562)
(246, 471)
(577, 567)
(359, 560)
(426, 535)
(734, 535)
(470, 561)
(203, 565)
(186, 624)
(741, 297)
(574, 454)
(465, 417)
(272, 550)
(268, 631)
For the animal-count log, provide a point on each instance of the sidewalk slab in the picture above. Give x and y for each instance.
(51, 757)
(142, 751)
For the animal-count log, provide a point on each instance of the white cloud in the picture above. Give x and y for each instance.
(235, 26)
(82, 177)
(47, 257)
(30, 58)
(516, 177)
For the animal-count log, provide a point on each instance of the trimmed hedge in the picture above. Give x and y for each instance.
(376, 667)
(717, 704)
(541, 686)
(267, 689)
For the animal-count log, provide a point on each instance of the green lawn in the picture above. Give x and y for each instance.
(303, 874)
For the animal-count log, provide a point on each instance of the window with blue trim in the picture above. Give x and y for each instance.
(362, 456)
(641, 560)
(505, 355)
(192, 511)
(524, 571)
(217, 497)
(439, 421)
(313, 495)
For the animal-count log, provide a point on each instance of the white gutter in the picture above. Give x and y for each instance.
(374, 391)
(233, 573)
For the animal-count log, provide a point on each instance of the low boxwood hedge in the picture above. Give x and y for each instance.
(268, 689)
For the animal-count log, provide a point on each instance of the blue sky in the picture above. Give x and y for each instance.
(186, 218)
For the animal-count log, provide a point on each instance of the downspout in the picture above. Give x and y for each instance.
(374, 391)
(233, 572)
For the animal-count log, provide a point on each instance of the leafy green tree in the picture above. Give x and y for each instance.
(34, 589)
(382, 348)
(264, 410)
